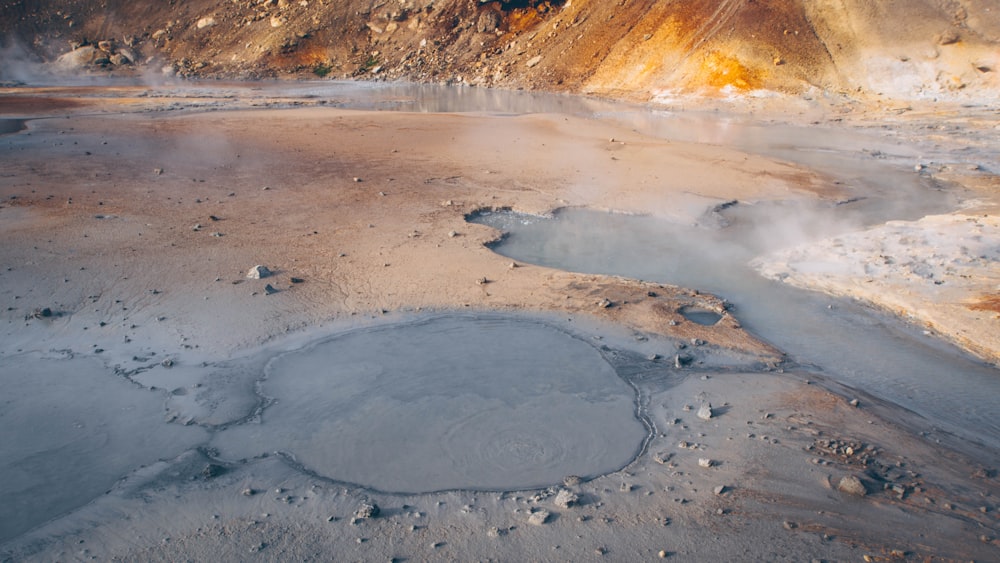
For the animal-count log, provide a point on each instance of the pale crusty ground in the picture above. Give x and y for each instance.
(368, 210)
(942, 271)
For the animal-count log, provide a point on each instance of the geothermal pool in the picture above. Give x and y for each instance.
(483, 403)
(848, 342)
(490, 402)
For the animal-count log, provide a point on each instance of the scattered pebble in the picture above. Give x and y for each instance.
(705, 412)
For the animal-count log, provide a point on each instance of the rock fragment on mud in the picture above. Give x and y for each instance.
(566, 499)
(539, 517)
(705, 412)
(258, 272)
(366, 511)
(851, 485)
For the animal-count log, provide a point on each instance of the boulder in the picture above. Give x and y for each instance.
(78, 58)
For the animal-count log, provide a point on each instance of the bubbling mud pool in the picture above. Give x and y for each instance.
(445, 403)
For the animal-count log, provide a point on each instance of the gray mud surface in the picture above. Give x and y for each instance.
(70, 431)
(445, 403)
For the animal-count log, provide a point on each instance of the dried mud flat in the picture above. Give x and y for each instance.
(128, 234)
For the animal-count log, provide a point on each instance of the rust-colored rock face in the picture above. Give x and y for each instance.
(638, 49)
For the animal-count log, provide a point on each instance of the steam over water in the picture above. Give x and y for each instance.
(850, 343)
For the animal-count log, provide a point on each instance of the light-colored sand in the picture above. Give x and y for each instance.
(136, 229)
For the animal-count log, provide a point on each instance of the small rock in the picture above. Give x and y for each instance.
(212, 470)
(258, 272)
(662, 554)
(855, 402)
(789, 525)
(367, 510)
(270, 290)
(705, 412)
(566, 499)
(604, 303)
(850, 484)
(206, 22)
(452, 234)
(705, 462)
(721, 489)
(297, 280)
(539, 517)
(248, 492)
(533, 61)
(572, 480)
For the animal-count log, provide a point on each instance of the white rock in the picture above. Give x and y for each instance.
(705, 462)
(566, 498)
(77, 58)
(539, 517)
(258, 272)
(705, 412)
(207, 21)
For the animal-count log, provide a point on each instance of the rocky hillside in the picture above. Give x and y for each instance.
(639, 49)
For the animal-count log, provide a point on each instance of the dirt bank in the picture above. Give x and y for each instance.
(639, 49)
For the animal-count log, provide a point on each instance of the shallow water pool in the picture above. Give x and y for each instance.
(848, 342)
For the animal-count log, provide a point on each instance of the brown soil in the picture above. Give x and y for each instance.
(638, 49)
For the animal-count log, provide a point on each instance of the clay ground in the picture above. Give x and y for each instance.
(135, 228)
